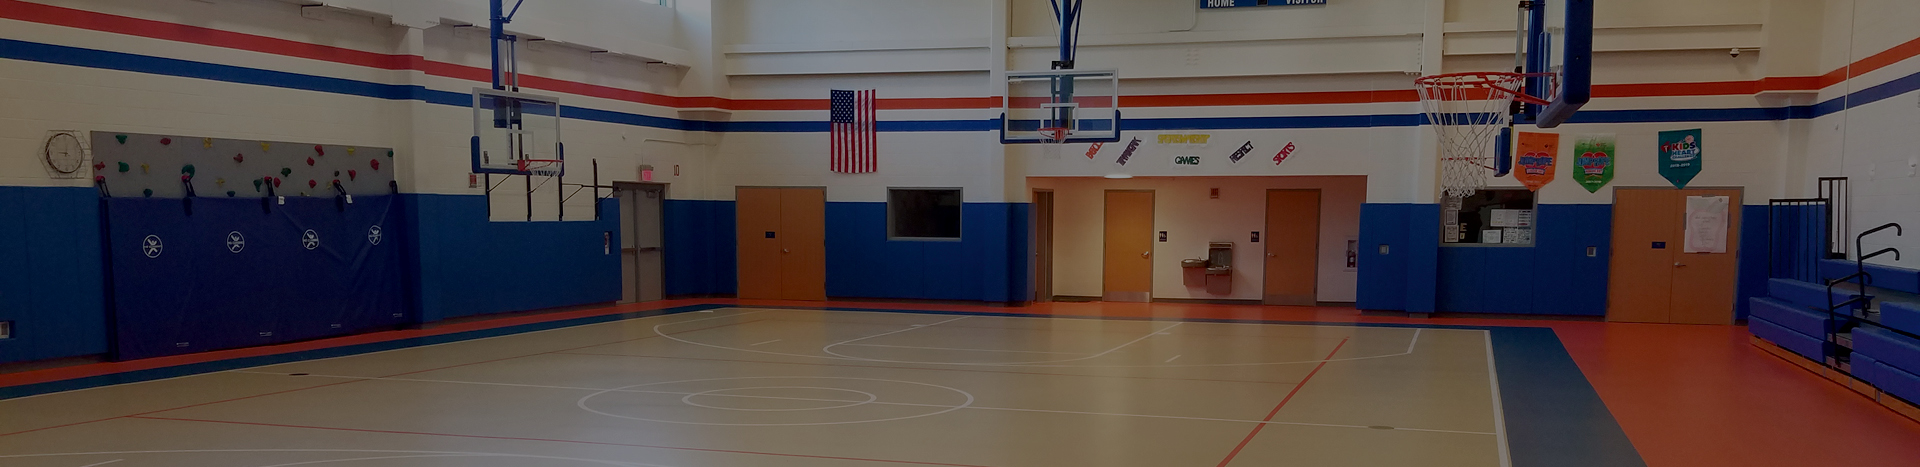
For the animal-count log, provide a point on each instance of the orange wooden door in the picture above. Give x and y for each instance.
(1292, 247)
(1704, 283)
(1640, 277)
(1128, 269)
(803, 244)
(758, 218)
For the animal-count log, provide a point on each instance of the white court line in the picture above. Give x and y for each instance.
(829, 350)
(764, 343)
(380, 451)
(1410, 346)
(1170, 360)
(889, 333)
(528, 333)
(959, 349)
(903, 404)
(103, 463)
(1499, 413)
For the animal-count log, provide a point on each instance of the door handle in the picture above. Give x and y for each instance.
(1678, 265)
(1143, 255)
(1270, 255)
(784, 250)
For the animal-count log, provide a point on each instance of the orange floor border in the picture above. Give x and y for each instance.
(1841, 378)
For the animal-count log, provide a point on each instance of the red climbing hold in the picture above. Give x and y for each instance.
(322, 150)
(309, 161)
(98, 166)
(239, 157)
(313, 183)
(353, 175)
(166, 141)
(376, 164)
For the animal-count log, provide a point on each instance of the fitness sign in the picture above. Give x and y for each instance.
(1536, 159)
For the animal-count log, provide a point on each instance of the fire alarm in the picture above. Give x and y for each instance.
(676, 170)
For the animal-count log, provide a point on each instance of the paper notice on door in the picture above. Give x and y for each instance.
(1707, 224)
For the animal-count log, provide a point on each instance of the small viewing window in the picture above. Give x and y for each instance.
(923, 213)
(6, 329)
(1491, 216)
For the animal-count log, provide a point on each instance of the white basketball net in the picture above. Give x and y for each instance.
(1468, 110)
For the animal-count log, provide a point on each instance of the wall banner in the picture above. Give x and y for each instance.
(1595, 160)
(1536, 159)
(1680, 156)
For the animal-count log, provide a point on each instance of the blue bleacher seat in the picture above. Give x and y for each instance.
(1889, 348)
(1902, 316)
(1797, 318)
(1806, 346)
(1886, 277)
(1897, 382)
(1865, 368)
(1806, 294)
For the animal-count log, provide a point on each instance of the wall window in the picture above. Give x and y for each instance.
(923, 213)
(1491, 216)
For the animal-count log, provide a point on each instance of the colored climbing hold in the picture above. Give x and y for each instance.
(313, 183)
(220, 182)
(264, 147)
(258, 183)
(148, 192)
(207, 142)
(186, 177)
(322, 150)
(99, 179)
(124, 168)
(238, 158)
(376, 164)
(309, 161)
(122, 138)
(336, 181)
(350, 151)
(276, 181)
(389, 154)
(145, 169)
(231, 194)
(99, 166)
(336, 173)
(189, 170)
(285, 171)
(353, 175)
(166, 141)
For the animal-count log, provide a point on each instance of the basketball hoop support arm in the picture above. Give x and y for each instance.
(499, 17)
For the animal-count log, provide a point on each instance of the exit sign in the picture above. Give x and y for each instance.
(1246, 3)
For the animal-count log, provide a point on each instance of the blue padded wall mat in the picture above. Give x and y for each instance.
(234, 274)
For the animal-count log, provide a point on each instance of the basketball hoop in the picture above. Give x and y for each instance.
(541, 167)
(1053, 135)
(1468, 110)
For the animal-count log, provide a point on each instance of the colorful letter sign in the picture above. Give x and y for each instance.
(1680, 156)
(1536, 159)
(1595, 161)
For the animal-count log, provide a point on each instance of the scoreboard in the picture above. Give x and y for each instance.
(1248, 3)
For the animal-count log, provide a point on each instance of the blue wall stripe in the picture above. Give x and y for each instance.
(92, 58)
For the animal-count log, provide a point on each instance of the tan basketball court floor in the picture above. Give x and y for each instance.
(738, 386)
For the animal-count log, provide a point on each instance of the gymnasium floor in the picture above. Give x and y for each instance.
(718, 383)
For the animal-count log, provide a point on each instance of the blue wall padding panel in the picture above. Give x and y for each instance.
(1900, 383)
(199, 292)
(1404, 279)
(1806, 294)
(467, 265)
(52, 275)
(1798, 319)
(1888, 347)
(1806, 346)
(988, 263)
(1383, 277)
(1753, 275)
(700, 247)
(1886, 277)
(1553, 277)
(1902, 316)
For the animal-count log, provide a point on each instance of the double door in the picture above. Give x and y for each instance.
(782, 240)
(1652, 278)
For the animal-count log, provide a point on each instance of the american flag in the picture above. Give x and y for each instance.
(855, 143)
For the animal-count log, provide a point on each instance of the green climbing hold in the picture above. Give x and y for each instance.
(124, 168)
(257, 183)
(148, 192)
(389, 154)
(231, 194)
(189, 170)
(284, 172)
(122, 138)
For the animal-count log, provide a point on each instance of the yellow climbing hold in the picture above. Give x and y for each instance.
(207, 142)
(350, 151)
(145, 169)
(266, 146)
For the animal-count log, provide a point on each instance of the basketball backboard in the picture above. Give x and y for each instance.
(510, 128)
(1560, 42)
(1080, 105)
